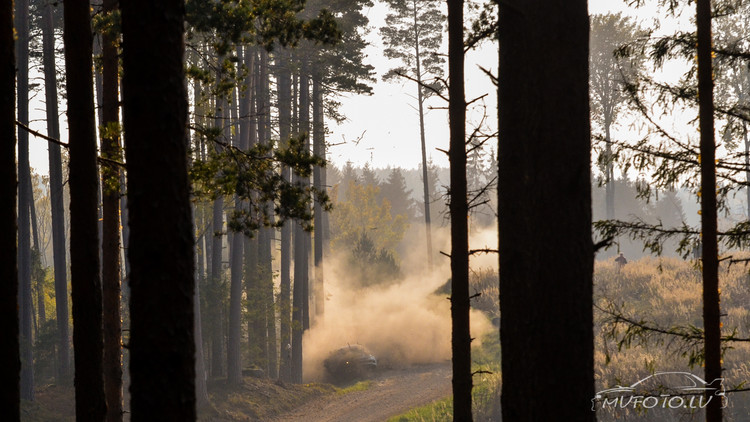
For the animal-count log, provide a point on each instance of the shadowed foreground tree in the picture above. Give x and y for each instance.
(86, 290)
(459, 209)
(110, 147)
(544, 207)
(162, 348)
(24, 202)
(9, 353)
(710, 258)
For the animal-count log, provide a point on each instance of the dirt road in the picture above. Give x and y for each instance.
(392, 392)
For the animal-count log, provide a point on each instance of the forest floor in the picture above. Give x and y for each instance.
(391, 392)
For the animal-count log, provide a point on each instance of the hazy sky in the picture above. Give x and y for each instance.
(388, 122)
(383, 128)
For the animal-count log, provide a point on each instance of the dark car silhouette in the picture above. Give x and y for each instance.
(664, 384)
(349, 363)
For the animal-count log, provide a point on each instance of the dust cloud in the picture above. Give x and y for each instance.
(402, 323)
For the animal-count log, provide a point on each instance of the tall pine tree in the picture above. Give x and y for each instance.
(544, 204)
(162, 347)
(10, 371)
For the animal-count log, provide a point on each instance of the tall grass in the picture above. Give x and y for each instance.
(667, 293)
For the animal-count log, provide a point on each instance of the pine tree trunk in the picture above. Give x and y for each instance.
(425, 180)
(201, 390)
(24, 203)
(544, 208)
(37, 313)
(319, 150)
(710, 258)
(285, 307)
(10, 370)
(216, 306)
(304, 254)
(609, 186)
(265, 276)
(300, 316)
(234, 355)
(56, 198)
(41, 309)
(252, 276)
(110, 149)
(162, 343)
(86, 290)
(747, 169)
(459, 209)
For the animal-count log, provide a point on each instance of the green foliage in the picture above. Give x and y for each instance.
(254, 177)
(358, 386)
(370, 265)
(111, 176)
(414, 32)
(362, 213)
(394, 188)
(259, 22)
(107, 23)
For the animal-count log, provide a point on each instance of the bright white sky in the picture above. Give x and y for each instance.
(388, 118)
(382, 129)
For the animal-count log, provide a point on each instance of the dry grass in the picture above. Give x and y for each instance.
(667, 293)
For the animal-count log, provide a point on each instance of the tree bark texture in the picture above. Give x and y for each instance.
(86, 290)
(24, 202)
(544, 194)
(285, 306)
(110, 145)
(710, 259)
(162, 347)
(319, 149)
(459, 209)
(10, 370)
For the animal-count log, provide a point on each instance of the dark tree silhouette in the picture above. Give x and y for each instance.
(162, 348)
(459, 210)
(10, 370)
(110, 141)
(85, 280)
(24, 202)
(710, 258)
(544, 204)
(319, 176)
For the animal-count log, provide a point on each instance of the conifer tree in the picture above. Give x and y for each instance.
(162, 347)
(10, 371)
(24, 201)
(544, 206)
(85, 276)
(56, 195)
(412, 35)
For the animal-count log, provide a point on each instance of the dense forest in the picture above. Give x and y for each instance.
(559, 236)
